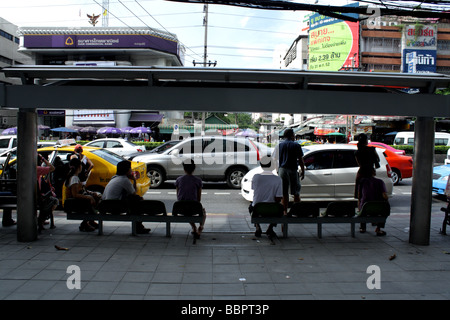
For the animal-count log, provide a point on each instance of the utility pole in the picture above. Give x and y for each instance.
(105, 14)
(205, 63)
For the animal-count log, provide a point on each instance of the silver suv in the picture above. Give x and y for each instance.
(217, 159)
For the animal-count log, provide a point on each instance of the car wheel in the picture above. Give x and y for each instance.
(235, 176)
(156, 176)
(395, 176)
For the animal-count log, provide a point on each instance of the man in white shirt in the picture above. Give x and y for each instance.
(121, 188)
(267, 187)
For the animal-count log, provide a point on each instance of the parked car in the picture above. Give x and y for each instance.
(440, 178)
(119, 146)
(217, 159)
(447, 160)
(8, 142)
(104, 161)
(330, 173)
(402, 166)
(388, 147)
(159, 149)
(380, 144)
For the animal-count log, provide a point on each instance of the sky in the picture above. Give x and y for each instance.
(236, 37)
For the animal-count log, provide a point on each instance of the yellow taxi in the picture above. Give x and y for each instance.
(105, 166)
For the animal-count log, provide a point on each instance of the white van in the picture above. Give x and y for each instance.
(407, 138)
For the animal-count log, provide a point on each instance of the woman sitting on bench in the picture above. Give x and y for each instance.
(75, 189)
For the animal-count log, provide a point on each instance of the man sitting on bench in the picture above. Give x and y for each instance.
(121, 188)
(267, 187)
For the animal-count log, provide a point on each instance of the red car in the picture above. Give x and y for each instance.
(402, 166)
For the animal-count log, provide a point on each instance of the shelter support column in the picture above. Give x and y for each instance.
(421, 197)
(26, 175)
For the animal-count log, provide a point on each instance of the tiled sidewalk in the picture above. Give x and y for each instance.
(226, 263)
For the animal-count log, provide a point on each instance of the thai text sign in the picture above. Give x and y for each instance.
(333, 43)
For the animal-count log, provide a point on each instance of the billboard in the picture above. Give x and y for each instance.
(419, 46)
(101, 41)
(333, 43)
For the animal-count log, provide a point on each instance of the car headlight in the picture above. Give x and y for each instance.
(444, 178)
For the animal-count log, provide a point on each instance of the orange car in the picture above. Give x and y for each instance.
(402, 166)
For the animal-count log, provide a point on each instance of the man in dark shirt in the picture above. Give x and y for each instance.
(290, 156)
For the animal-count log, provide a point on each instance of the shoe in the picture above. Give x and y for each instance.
(93, 224)
(380, 233)
(143, 230)
(271, 234)
(9, 223)
(85, 227)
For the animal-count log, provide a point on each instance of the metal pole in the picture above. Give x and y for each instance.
(26, 175)
(421, 197)
(205, 54)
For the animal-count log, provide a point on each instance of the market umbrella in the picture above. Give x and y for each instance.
(335, 135)
(109, 130)
(75, 127)
(88, 130)
(63, 129)
(43, 127)
(9, 131)
(247, 133)
(126, 129)
(140, 130)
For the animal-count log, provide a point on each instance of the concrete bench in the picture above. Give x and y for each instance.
(309, 213)
(144, 211)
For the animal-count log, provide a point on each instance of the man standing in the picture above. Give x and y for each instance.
(290, 156)
(121, 188)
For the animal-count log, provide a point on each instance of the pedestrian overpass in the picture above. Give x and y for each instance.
(225, 90)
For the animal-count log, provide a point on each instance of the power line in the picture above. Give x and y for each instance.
(163, 26)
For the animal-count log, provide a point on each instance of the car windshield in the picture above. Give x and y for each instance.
(165, 146)
(108, 156)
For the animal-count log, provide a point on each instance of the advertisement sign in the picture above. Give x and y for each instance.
(333, 43)
(102, 41)
(419, 46)
(419, 61)
(93, 115)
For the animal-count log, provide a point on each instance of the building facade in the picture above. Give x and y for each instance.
(10, 56)
(101, 46)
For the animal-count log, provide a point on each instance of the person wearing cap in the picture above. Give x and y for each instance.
(85, 162)
(267, 187)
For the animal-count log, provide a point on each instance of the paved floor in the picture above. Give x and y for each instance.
(226, 263)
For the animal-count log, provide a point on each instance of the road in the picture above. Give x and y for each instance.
(218, 198)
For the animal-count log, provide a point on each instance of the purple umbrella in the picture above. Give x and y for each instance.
(109, 130)
(88, 130)
(126, 129)
(247, 133)
(9, 131)
(140, 130)
(43, 127)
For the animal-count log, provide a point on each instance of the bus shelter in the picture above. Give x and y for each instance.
(225, 90)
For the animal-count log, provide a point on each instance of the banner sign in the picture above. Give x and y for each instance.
(103, 41)
(93, 115)
(333, 43)
(419, 46)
